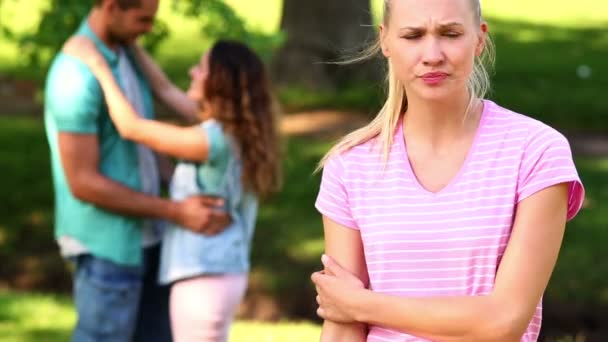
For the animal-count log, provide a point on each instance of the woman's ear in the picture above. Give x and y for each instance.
(481, 40)
(382, 36)
(110, 6)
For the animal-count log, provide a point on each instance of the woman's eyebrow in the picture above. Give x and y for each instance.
(440, 26)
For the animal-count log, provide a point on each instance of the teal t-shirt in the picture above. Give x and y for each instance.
(74, 103)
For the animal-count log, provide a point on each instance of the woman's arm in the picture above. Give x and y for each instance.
(503, 315)
(344, 245)
(189, 143)
(163, 88)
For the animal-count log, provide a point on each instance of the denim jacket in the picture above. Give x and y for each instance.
(187, 254)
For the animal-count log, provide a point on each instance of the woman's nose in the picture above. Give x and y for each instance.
(433, 53)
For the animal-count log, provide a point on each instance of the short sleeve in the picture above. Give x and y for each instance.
(73, 96)
(212, 174)
(219, 149)
(332, 200)
(548, 161)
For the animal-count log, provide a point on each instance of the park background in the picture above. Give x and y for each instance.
(551, 64)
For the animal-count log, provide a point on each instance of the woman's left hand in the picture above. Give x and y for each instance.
(337, 291)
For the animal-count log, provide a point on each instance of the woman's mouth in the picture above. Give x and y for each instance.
(434, 78)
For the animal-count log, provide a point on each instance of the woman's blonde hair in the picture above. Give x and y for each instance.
(383, 125)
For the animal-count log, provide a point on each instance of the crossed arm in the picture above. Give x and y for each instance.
(345, 246)
(503, 315)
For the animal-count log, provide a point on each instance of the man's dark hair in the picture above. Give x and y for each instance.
(123, 4)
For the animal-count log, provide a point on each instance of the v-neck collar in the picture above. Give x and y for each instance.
(455, 179)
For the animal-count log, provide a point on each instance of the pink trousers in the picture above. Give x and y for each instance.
(203, 308)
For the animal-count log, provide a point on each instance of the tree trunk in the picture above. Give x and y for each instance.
(319, 32)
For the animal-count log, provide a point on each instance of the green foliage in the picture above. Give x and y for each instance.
(60, 18)
(218, 19)
(57, 22)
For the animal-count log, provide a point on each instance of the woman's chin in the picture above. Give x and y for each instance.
(441, 92)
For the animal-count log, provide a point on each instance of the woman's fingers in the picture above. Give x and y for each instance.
(316, 277)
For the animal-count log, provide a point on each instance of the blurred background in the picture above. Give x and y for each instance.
(551, 64)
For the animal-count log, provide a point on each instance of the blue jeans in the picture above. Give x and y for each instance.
(120, 303)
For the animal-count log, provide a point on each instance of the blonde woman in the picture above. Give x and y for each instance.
(444, 216)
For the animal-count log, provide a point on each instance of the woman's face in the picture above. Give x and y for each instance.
(198, 76)
(432, 45)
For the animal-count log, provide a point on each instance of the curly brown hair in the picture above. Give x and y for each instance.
(238, 91)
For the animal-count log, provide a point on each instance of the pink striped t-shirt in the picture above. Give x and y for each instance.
(450, 243)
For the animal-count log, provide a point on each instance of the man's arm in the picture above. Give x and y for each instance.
(80, 157)
(163, 88)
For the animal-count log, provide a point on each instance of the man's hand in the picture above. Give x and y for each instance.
(201, 215)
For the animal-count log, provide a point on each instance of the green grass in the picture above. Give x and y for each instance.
(35, 317)
(46, 317)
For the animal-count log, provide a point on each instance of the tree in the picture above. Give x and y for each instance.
(320, 32)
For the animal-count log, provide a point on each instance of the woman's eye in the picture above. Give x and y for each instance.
(452, 34)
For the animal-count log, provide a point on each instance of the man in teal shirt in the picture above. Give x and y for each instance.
(106, 188)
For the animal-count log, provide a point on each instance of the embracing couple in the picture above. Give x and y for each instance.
(149, 268)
